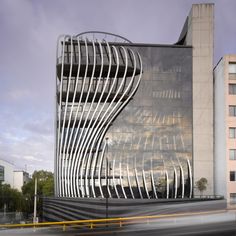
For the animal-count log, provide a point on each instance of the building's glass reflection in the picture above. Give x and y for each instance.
(153, 134)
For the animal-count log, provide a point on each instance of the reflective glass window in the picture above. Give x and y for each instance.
(232, 110)
(232, 197)
(232, 132)
(232, 89)
(232, 175)
(232, 67)
(232, 154)
(1, 173)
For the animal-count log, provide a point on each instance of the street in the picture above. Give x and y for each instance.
(223, 223)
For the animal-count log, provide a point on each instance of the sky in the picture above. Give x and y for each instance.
(29, 31)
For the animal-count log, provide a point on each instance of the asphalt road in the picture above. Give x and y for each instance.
(211, 224)
(225, 228)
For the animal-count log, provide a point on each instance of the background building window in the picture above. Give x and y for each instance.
(232, 154)
(232, 176)
(232, 88)
(232, 132)
(232, 67)
(232, 197)
(2, 173)
(232, 110)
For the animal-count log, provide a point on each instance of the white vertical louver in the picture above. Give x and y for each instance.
(96, 81)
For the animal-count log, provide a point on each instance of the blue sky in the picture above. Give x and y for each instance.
(29, 30)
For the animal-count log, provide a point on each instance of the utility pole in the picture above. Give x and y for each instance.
(35, 219)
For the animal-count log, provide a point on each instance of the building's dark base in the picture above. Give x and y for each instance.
(61, 209)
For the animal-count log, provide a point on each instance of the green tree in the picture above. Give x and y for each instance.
(45, 188)
(45, 184)
(201, 185)
(161, 187)
(11, 198)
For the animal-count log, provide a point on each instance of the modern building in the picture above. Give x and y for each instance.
(21, 177)
(225, 127)
(6, 172)
(135, 120)
(15, 178)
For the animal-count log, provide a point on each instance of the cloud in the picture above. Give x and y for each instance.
(42, 126)
(29, 30)
(31, 158)
(18, 94)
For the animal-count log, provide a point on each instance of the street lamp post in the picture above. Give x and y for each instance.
(107, 179)
(35, 219)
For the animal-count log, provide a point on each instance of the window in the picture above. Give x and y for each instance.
(232, 132)
(232, 110)
(1, 173)
(232, 67)
(232, 197)
(232, 176)
(232, 88)
(232, 154)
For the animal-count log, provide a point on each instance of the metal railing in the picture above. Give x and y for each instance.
(92, 223)
(209, 196)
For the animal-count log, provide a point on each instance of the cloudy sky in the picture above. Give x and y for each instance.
(29, 30)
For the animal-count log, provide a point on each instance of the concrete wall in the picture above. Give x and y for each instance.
(220, 113)
(200, 36)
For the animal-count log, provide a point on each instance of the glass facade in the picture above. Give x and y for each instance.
(153, 134)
